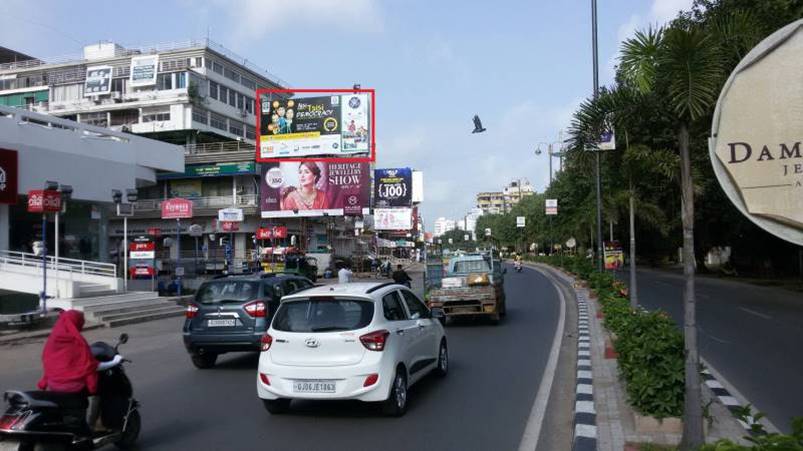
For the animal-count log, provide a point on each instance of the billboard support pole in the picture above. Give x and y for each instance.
(43, 296)
(125, 254)
(178, 255)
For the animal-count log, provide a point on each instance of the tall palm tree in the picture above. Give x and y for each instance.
(682, 65)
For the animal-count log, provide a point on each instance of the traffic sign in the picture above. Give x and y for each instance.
(520, 221)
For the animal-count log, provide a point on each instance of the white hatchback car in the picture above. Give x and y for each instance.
(364, 341)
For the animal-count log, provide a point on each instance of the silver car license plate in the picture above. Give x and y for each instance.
(221, 322)
(314, 387)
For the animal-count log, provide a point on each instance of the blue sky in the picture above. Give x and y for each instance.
(523, 66)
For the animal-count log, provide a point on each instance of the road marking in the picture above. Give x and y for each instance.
(585, 430)
(529, 440)
(585, 389)
(753, 312)
(583, 374)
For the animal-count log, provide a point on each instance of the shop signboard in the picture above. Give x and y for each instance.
(755, 143)
(393, 187)
(229, 226)
(393, 218)
(8, 176)
(98, 81)
(230, 215)
(144, 70)
(44, 201)
(142, 271)
(269, 233)
(212, 170)
(331, 125)
(142, 250)
(176, 208)
(314, 188)
(154, 231)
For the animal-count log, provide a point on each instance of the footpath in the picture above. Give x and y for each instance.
(602, 418)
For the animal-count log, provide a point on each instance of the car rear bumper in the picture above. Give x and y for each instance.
(349, 381)
(221, 343)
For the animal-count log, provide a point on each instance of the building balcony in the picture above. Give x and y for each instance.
(217, 152)
(119, 101)
(202, 206)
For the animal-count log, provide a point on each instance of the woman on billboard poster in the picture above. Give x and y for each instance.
(307, 196)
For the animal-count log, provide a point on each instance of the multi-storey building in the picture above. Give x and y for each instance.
(498, 202)
(197, 94)
(443, 225)
(491, 202)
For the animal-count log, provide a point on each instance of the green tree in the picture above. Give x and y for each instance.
(683, 66)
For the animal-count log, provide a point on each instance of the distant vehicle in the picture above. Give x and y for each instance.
(363, 341)
(472, 285)
(231, 314)
(301, 265)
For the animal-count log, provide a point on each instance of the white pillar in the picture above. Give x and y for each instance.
(56, 259)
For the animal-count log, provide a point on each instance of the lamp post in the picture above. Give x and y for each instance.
(125, 210)
(49, 186)
(551, 153)
(66, 194)
(600, 257)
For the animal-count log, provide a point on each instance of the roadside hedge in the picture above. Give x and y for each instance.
(649, 345)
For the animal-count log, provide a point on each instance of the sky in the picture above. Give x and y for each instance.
(522, 66)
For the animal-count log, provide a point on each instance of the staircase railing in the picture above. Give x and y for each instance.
(11, 259)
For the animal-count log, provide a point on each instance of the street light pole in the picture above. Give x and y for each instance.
(600, 257)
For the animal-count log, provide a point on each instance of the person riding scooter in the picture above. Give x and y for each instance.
(401, 277)
(517, 263)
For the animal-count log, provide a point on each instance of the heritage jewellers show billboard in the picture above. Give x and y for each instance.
(332, 125)
(393, 187)
(315, 188)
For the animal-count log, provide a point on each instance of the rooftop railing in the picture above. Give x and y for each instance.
(219, 147)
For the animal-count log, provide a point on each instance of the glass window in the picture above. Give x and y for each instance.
(249, 104)
(223, 94)
(233, 98)
(217, 67)
(227, 291)
(278, 291)
(164, 82)
(232, 75)
(217, 121)
(248, 83)
(119, 84)
(323, 315)
(391, 306)
(208, 63)
(200, 115)
(199, 61)
(181, 80)
(97, 119)
(213, 88)
(417, 308)
(235, 127)
(156, 114)
(467, 266)
(250, 132)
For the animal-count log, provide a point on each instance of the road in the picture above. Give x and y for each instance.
(750, 334)
(483, 404)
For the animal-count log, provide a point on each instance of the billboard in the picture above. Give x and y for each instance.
(230, 215)
(143, 70)
(393, 218)
(418, 186)
(333, 125)
(44, 201)
(314, 188)
(393, 187)
(142, 250)
(521, 221)
(98, 81)
(614, 257)
(176, 208)
(8, 176)
(551, 207)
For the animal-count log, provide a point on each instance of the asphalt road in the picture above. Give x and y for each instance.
(483, 404)
(750, 334)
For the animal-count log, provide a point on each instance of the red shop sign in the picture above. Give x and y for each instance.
(142, 247)
(229, 226)
(154, 231)
(177, 208)
(43, 201)
(267, 233)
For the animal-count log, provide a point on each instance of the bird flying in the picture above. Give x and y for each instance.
(477, 125)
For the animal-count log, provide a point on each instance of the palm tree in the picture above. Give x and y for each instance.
(681, 65)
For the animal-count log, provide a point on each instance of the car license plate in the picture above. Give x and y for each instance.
(465, 310)
(313, 387)
(221, 322)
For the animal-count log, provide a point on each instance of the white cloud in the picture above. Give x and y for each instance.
(256, 18)
(663, 11)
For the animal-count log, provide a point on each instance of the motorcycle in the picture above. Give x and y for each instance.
(57, 421)
(517, 266)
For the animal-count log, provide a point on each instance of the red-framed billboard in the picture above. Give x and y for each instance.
(293, 129)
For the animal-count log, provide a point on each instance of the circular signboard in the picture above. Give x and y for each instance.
(755, 145)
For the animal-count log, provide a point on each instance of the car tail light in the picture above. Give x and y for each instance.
(256, 309)
(375, 341)
(265, 342)
(370, 380)
(192, 311)
(15, 422)
(264, 378)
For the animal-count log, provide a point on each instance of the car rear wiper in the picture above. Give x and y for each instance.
(328, 328)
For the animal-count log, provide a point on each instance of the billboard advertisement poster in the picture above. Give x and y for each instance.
(393, 187)
(8, 176)
(44, 201)
(614, 257)
(186, 188)
(98, 81)
(520, 221)
(418, 186)
(335, 125)
(143, 70)
(313, 188)
(551, 207)
(393, 218)
(269, 233)
(230, 215)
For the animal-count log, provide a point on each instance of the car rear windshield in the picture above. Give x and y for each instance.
(323, 315)
(467, 266)
(227, 291)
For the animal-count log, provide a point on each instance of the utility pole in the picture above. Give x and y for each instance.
(596, 94)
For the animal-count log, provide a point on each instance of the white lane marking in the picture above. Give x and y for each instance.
(585, 430)
(529, 440)
(753, 312)
(585, 389)
(584, 407)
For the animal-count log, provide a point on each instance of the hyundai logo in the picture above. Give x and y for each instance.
(311, 342)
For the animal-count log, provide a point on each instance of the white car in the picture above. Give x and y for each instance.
(364, 341)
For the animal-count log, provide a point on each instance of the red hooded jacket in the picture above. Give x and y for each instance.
(67, 360)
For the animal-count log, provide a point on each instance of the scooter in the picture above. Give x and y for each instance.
(57, 421)
(517, 266)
